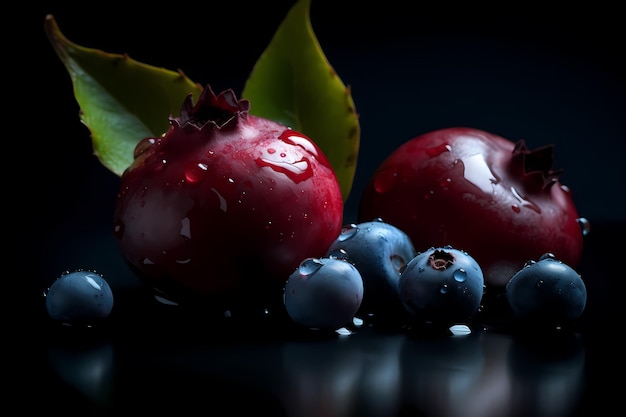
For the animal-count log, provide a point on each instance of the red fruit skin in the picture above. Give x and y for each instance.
(225, 210)
(478, 192)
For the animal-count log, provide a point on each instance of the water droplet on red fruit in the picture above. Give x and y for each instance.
(159, 167)
(525, 202)
(384, 180)
(143, 145)
(118, 229)
(295, 138)
(438, 150)
(297, 171)
(585, 225)
(477, 171)
(195, 172)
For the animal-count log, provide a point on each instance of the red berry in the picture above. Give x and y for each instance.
(478, 192)
(225, 203)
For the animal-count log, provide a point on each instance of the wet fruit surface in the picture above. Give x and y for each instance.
(379, 250)
(442, 285)
(79, 298)
(481, 192)
(547, 292)
(225, 203)
(323, 293)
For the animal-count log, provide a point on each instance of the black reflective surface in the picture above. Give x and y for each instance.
(150, 357)
(530, 74)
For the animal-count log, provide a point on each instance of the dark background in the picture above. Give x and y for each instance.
(520, 71)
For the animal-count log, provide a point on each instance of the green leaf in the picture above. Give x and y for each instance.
(121, 100)
(294, 84)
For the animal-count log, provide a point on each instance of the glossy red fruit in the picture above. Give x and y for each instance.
(480, 192)
(225, 204)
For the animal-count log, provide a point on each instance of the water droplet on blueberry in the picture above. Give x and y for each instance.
(309, 266)
(347, 232)
(338, 254)
(460, 275)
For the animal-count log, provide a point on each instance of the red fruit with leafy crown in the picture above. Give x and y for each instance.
(225, 205)
(479, 192)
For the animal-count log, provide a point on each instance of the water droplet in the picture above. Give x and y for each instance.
(524, 201)
(347, 232)
(420, 269)
(443, 289)
(516, 208)
(357, 321)
(295, 138)
(143, 145)
(539, 283)
(397, 261)
(195, 172)
(438, 150)
(118, 229)
(547, 255)
(271, 150)
(343, 331)
(160, 166)
(460, 330)
(445, 183)
(340, 254)
(528, 263)
(477, 171)
(384, 180)
(309, 266)
(297, 171)
(585, 225)
(460, 275)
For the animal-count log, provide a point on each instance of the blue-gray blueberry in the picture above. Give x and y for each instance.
(379, 251)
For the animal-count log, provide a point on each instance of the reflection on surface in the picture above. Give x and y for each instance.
(86, 368)
(367, 373)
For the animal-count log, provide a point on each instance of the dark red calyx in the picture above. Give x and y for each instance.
(441, 260)
(536, 164)
(218, 110)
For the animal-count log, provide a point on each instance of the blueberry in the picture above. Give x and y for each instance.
(379, 251)
(323, 293)
(546, 292)
(79, 297)
(442, 285)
